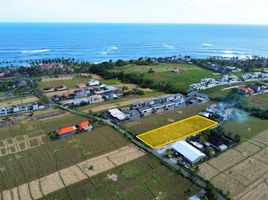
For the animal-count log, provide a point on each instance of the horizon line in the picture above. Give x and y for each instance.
(130, 23)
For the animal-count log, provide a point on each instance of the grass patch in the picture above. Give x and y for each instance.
(162, 73)
(247, 129)
(260, 101)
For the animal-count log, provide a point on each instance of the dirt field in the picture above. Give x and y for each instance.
(242, 172)
(161, 119)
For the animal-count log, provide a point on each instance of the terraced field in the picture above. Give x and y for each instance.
(242, 173)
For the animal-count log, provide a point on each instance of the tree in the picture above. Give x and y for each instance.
(211, 192)
(168, 153)
(151, 71)
(237, 138)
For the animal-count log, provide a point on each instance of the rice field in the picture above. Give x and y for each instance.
(176, 131)
(141, 179)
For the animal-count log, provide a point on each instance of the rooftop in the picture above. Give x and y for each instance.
(65, 130)
(187, 150)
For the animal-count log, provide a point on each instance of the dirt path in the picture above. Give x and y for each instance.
(39, 188)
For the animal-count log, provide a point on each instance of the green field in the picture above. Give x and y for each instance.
(141, 179)
(161, 119)
(29, 165)
(260, 101)
(248, 128)
(162, 72)
(70, 83)
(38, 127)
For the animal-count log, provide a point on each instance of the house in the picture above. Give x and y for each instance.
(66, 132)
(76, 102)
(179, 103)
(82, 93)
(256, 88)
(93, 83)
(220, 110)
(136, 105)
(21, 108)
(169, 105)
(191, 154)
(196, 97)
(81, 85)
(117, 114)
(157, 108)
(149, 102)
(245, 90)
(133, 114)
(38, 106)
(145, 111)
(85, 126)
(95, 99)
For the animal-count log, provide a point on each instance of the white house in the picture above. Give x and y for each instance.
(117, 114)
(92, 83)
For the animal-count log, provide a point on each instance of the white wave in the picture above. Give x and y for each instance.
(229, 52)
(113, 48)
(36, 51)
(109, 50)
(104, 53)
(168, 46)
(207, 45)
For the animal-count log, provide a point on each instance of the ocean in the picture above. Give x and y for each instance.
(101, 42)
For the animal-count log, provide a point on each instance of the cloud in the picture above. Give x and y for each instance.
(154, 11)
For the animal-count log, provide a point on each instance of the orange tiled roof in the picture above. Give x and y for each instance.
(83, 124)
(245, 89)
(65, 130)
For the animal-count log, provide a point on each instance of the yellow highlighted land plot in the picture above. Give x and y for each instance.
(176, 131)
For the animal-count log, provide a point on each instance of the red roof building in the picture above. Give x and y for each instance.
(245, 90)
(85, 126)
(67, 131)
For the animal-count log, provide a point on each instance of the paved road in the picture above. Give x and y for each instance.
(133, 139)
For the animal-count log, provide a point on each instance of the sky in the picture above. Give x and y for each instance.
(136, 11)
